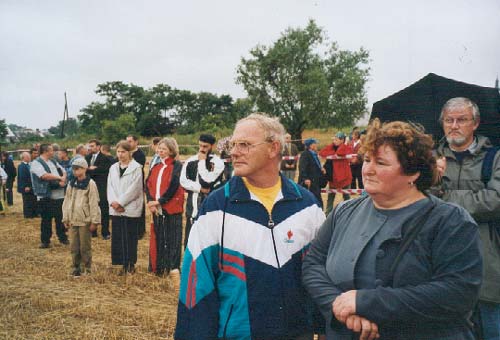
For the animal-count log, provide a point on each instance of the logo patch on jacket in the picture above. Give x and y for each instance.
(289, 237)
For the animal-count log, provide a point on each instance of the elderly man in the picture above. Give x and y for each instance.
(49, 180)
(24, 186)
(241, 271)
(310, 170)
(200, 174)
(465, 159)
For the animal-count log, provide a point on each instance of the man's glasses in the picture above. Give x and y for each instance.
(244, 147)
(459, 121)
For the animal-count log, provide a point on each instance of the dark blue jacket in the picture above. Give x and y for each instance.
(434, 287)
(23, 178)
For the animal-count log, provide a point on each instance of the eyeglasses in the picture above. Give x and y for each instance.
(244, 147)
(459, 121)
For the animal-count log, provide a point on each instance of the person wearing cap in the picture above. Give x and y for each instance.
(200, 174)
(310, 170)
(49, 179)
(81, 215)
(340, 176)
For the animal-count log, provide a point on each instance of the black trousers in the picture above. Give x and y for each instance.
(124, 240)
(104, 206)
(51, 209)
(8, 194)
(29, 205)
(357, 177)
(165, 246)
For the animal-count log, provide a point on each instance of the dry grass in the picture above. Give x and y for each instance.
(40, 300)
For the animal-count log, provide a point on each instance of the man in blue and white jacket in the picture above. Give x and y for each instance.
(241, 274)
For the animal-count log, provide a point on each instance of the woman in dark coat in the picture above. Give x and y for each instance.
(397, 263)
(310, 170)
(165, 201)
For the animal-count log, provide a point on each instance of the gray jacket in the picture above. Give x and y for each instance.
(434, 287)
(462, 184)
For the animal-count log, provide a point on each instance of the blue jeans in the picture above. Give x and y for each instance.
(490, 320)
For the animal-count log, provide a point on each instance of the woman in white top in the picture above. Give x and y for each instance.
(126, 199)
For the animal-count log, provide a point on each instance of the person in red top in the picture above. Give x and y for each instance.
(341, 176)
(165, 198)
(356, 161)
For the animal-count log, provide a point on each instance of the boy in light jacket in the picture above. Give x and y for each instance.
(81, 215)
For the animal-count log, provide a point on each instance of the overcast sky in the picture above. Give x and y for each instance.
(49, 47)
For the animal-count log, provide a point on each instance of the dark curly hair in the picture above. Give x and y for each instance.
(410, 143)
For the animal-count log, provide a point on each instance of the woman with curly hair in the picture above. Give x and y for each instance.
(396, 263)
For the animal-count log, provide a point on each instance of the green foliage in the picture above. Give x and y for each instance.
(71, 127)
(3, 130)
(293, 80)
(115, 130)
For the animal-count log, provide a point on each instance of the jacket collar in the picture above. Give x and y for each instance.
(239, 192)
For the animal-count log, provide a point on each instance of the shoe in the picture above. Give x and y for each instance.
(94, 235)
(107, 237)
(176, 280)
(65, 242)
(76, 272)
(44, 245)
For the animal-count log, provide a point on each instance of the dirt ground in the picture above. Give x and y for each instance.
(39, 299)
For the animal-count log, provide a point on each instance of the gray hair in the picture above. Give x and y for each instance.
(25, 154)
(460, 103)
(172, 146)
(273, 129)
(79, 148)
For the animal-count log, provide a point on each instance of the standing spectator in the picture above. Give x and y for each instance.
(462, 167)
(64, 160)
(201, 173)
(98, 171)
(341, 176)
(34, 153)
(165, 198)
(356, 161)
(49, 180)
(289, 167)
(241, 269)
(139, 156)
(81, 215)
(25, 188)
(310, 170)
(106, 151)
(56, 149)
(156, 158)
(397, 263)
(8, 165)
(80, 152)
(3, 180)
(126, 200)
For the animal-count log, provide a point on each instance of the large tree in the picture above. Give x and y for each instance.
(306, 80)
(3, 130)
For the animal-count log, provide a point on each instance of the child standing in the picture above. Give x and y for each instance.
(81, 214)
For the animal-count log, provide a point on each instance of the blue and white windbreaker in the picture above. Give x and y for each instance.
(241, 274)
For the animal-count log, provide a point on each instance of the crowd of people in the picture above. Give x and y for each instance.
(415, 256)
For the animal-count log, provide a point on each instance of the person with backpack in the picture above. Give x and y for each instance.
(49, 179)
(396, 263)
(469, 167)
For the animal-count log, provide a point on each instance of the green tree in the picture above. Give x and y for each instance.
(3, 130)
(115, 130)
(306, 81)
(71, 127)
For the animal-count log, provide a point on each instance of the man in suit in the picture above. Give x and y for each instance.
(289, 166)
(98, 170)
(140, 157)
(310, 170)
(24, 186)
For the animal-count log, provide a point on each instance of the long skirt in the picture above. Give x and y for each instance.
(124, 240)
(165, 243)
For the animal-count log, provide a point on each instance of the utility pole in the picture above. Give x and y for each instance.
(65, 115)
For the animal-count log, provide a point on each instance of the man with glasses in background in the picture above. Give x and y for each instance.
(462, 163)
(242, 266)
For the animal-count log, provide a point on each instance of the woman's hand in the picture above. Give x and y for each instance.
(344, 305)
(358, 324)
(153, 206)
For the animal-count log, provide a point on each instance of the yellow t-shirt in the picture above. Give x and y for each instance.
(266, 195)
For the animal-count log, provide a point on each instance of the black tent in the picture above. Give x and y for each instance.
(422, 101)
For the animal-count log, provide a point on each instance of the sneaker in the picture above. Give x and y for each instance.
(44, 245)
(65, 242)
(76, 272)
(107, 237)
(176, 280)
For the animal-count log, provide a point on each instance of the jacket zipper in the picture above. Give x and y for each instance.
(227, 321)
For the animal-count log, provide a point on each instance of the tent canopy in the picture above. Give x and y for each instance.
(422, 101)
